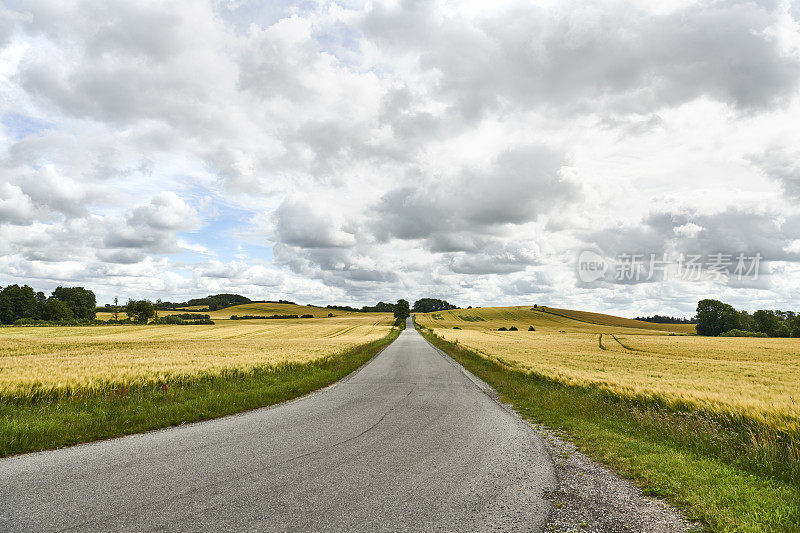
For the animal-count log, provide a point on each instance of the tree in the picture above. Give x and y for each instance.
(56, 311)
(219, 301)
(401, 309)
(140, 310)
(766, 322)
(80, 300)
(782, 330)
(18, 302)
(746, 322)
(116, 308)
(428, 305)
(715, 317)
(794, 325)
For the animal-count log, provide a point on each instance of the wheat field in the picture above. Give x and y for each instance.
(258, 309)
(758, 378)
(37, 361)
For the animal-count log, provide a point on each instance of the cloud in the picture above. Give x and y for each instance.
(609, 56)
(496, 259)
(782, 165)
(16, 207)
(518, 186)
(357, 152)
(153, 227)
(305, 224)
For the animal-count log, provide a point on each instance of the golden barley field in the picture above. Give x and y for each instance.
(756, 377)
(36, 360)
(258, 309)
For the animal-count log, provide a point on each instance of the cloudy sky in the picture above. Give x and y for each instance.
(346, 152)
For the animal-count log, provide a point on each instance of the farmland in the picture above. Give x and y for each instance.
(58, 360)
(244, 309)
(759, 378)
(710, 423)
(63, 385)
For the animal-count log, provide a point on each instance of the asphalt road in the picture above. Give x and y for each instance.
(408, 443)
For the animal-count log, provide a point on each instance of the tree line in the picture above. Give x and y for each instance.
(660, 319)
(716, 318)
(64, 304)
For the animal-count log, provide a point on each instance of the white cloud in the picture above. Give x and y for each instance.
(361, 152)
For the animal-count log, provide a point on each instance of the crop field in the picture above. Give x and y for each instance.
(710, 423)
(757, 378)
(258, 309)
(68, 361)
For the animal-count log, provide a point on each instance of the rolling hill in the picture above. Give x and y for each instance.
(256, 309)
(546, 319)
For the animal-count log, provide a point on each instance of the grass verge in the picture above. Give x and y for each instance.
(34, 425)
(670, 455)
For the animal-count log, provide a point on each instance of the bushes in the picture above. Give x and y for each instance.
(531, 328)
(307, 316)
(513, 328)
(50, 323)
(740, 333)
(178, 320)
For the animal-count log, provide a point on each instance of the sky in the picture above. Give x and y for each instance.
(560, 153)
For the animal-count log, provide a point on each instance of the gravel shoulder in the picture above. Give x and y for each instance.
(593, 498)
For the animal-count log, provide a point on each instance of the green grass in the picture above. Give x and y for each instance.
(698, 465)
(34, 425)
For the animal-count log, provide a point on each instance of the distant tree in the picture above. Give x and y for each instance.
(766, 322)
(140, 310)
(221, 301)
(782, 330)
(428, 305)
(380, 307)
(401, 309)
(18, 302)
(794, 325)
(746, 322)
(715, 317)
(41, 299)
(56, 311)
(330, 315)
(116, 308)
(81, 301)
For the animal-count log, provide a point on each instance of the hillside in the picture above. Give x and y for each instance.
(611, 320)
(266, 309)
(545, 319)
(258, 309)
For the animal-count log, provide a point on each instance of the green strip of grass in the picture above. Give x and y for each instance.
(41, 425)
(645, 445)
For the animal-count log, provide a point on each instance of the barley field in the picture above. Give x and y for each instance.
(258, 309)
(59, 361)
(754, 377)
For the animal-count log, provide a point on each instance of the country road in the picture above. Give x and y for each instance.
(408, 443)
